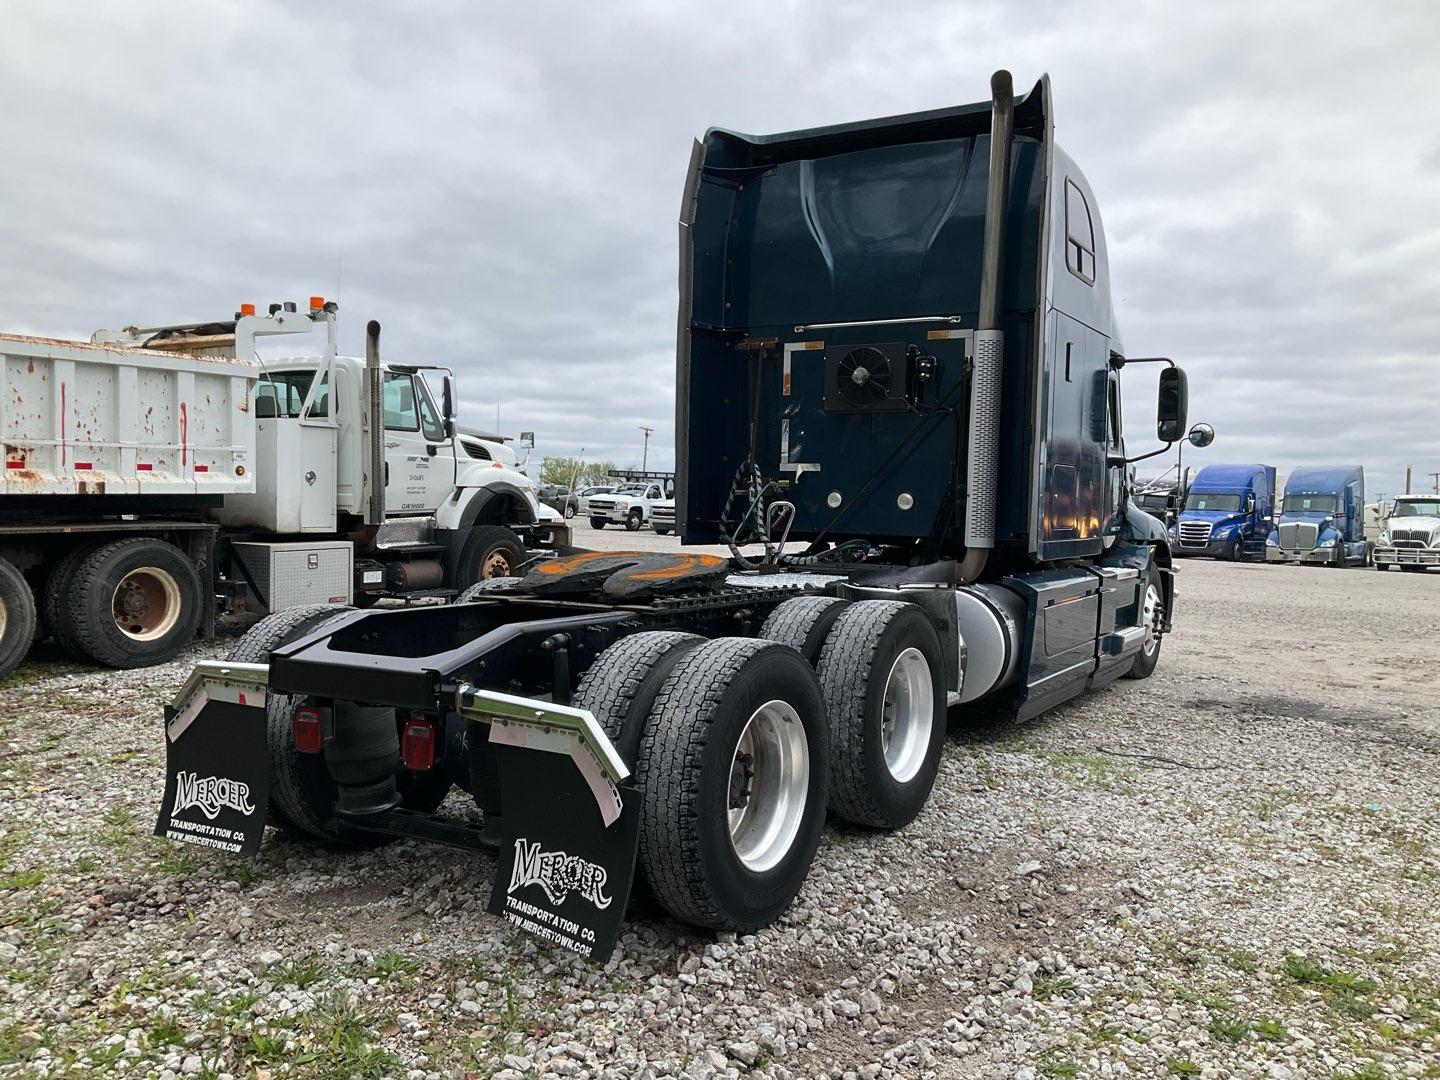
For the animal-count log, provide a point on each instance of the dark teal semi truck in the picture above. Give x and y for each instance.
(898, 405)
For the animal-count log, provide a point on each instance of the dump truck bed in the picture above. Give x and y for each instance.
(82, 419)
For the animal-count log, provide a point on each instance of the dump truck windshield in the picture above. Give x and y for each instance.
(1209, 500)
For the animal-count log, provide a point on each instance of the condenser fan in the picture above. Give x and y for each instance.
(863, 377)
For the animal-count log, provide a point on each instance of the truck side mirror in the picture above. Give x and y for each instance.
(1249, 504)
(1201, 435)
(1173, 406)
(447, 405)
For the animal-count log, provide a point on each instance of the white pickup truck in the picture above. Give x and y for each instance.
(628, 505)
(150, 474)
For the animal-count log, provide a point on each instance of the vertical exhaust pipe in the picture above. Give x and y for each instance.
(982, 458)
(375, 458)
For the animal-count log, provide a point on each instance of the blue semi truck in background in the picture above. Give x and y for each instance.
(1227, 513)
(1322, 521)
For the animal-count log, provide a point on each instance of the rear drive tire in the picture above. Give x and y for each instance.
(58, 584)
(490, 551)
(302, 792)
(734, 762)
(621, 685)
(804, 623)
(884, 681)
(489, 585)
(133, 603)
(634, 520)
(597, 523)
(18, 618)
(1152, 618)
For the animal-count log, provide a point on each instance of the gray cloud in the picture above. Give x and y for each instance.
(499, 185)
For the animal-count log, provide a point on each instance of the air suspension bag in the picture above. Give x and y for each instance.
(363, 755)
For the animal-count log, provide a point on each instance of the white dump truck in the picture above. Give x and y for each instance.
(153, 475)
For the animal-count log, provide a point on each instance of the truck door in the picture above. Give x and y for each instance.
(420, 459)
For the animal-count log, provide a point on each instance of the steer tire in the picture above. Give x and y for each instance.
(167, 603)
(870, 642)
(302, 792)
(490, 551)
(480, 588)
(659, 532)
(804, 623)
(1148, 658)
(684, 767)
(58, 584)
(597, 523)
(621, 685)
(634, 520)
(18, 618)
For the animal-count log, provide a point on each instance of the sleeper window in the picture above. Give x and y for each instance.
(1079, 235)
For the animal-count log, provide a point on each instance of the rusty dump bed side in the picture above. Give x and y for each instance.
(83, 419)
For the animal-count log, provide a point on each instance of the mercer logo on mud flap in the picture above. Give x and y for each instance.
(211, 794)
(558, 874)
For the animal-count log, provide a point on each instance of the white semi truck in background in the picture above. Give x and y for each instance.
(151, 476)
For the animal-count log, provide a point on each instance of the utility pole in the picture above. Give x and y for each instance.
(1435, 476)
(645, 453)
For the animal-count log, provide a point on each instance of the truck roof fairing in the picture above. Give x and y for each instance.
(1323, 479)
(1225, 477)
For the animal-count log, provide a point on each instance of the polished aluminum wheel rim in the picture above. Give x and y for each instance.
(1150, 619)
(908, 715)
(769, 780)
(146, 604)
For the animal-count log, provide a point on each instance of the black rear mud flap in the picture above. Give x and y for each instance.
(217, 777)
(570, 821)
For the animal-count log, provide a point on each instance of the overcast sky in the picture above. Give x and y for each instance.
(498, 185)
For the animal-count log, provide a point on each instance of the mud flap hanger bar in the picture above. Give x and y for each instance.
(215, 680)
(558, 729)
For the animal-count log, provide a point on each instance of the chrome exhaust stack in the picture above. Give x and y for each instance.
(982, 458)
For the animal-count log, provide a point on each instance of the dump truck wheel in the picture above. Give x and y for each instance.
(620, 687)
(883, 676)
(734, 763)
(58, 584)
(133, 603)
(17, 618)
(490, 551)
(302, 792)
(804, 623)
(489, 585)
(1152, 618)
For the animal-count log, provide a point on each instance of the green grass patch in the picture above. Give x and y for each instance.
(21, 879)
(1272, 1030)
(1182, 1067)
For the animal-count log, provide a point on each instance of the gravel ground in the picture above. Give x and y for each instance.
(1229, 870)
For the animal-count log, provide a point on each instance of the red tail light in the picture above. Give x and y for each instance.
(307, 727)
(417, 744)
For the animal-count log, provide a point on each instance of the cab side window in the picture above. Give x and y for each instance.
(1079, 235)
(430, 417)
(400, 411)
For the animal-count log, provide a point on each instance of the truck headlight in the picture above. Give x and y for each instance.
(1383, 540)
(1270, 541)
(1328, 542)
